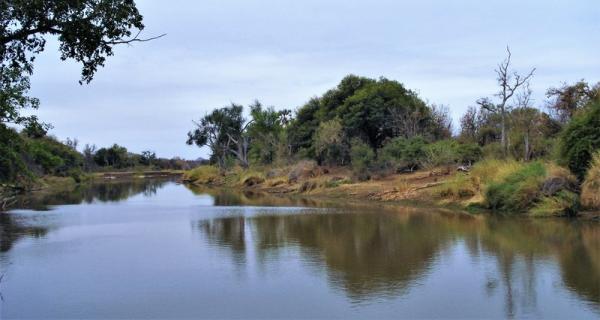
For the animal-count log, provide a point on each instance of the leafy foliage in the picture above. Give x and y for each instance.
(330, 142)
(580, 139)
(362, 157)
(402, 153)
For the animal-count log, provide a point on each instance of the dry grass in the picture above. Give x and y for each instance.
(203, 175)
(590, 189)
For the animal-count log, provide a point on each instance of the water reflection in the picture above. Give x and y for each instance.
(14, 227)
(102, 191)
(408, 258)
(369, 255)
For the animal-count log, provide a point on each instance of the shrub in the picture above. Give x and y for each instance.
(12, 166)
(518, 190)
(580, 139)
(441, 153)
(469, 153)
(590, 189)
(362, 157)
(537, 188)
(53, 156)
(301, 170)
(402, 153)
(493, 151)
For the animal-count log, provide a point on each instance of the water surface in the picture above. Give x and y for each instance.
(156, 249)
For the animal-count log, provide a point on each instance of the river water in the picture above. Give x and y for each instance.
(158, 249)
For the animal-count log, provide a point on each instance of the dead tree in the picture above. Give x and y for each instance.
(509, 82)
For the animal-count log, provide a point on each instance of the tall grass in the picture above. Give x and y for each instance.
(590, 189)
(202, 175)
(518, 190)
(537, 188)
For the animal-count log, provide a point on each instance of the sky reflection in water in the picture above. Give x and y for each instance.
(157, 249)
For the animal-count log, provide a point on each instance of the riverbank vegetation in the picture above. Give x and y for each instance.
(376, 139)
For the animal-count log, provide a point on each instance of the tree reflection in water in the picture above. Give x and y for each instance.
(13, 227)
(386, 254)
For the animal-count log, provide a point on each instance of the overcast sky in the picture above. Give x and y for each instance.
(284, 52)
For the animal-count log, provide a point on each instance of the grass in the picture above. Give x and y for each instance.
(203, 175)
(590, 189)
(535, 188)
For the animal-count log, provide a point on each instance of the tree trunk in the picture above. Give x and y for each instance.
(526, 147)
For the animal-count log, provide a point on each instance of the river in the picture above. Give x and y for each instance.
(158, 249)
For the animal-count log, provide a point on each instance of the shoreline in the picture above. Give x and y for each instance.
(419, 189)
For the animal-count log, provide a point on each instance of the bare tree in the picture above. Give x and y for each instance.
(526, 119)
(509, 82)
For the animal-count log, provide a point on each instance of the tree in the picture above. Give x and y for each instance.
(469, 125)
(566, 100)
(223, 131)
(580, 139)
(330, 144)
(115, 156)
(88, 157)
(265, 131)
(147, 157)
(384, 109)
(87, 31)
(509, 82)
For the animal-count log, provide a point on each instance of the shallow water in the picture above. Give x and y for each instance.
(156, 249)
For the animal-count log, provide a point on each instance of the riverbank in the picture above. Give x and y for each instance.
(536, 189)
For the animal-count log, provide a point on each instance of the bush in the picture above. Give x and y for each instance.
(401, 153)
(590, 189)
(301, 170)
(493, 151)
(53, 157)
(580, 139)
(441, 153)
(469, 153)
(12, 167)
(536, 188)
(518, 190)
(362, 157)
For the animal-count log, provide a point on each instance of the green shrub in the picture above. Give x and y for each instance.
(441, 153)
(580, 139)
(518, 190)
(52, 156)
(12, 167)
(536, 188)
(493, 151)
(402, 153)
(362, 157)
(469, 153)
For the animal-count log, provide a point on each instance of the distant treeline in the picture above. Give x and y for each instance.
(32, 153)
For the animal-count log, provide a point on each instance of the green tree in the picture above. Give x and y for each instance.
(115, 156)
(565, 101)
(266, 132)
(385, 109)
(148, 158)
(330, 144)
(87, 31)
(580, 139)
(223, 131)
